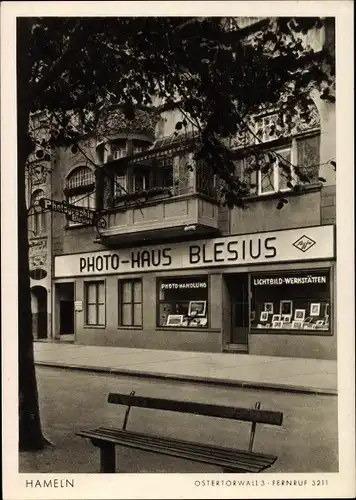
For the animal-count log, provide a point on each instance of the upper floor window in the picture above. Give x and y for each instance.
(265, 128)
(118, 152)
(279, 175)
(79, 177)
(281, 168)
(140, 178)
(38, 216)
(80, 189)
(120, 185)
(164, 173)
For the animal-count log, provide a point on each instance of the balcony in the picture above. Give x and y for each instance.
(161, 218)
(154, 196)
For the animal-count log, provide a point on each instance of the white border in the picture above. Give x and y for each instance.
(93, 486)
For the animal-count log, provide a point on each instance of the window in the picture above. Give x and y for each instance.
(80, 190)
(118, 151)
(120, 185)
(139, 181)
(81, 176)
(292, 301)
(38, 216)
(164, 173)
(130, 302)
(183, 301)
(139, 149)
(265, 128)
(276, 177)
(291, 165)
(95, 303)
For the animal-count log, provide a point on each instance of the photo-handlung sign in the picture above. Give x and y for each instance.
(277, 246)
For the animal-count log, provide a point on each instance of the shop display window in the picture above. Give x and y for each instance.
(183, 302)
(293, 301)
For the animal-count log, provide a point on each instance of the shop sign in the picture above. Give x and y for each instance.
(259, 248)
(74, 213)
(188, 285)
(309, 279)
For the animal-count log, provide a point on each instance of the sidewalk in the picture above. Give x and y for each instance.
(241, 370)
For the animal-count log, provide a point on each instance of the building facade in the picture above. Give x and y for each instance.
(168, 267)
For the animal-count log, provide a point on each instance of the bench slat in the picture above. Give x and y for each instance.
(228, 458)
(189, 445)
(191, 449)
(194, 444)
(244, 414)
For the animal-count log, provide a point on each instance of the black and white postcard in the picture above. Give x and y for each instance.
(177, 229)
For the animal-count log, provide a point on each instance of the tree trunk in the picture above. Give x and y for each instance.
(30, 432)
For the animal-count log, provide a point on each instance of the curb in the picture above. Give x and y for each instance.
(192, 378)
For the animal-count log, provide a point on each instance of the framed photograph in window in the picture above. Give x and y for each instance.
(264, 316)
(268, 307)
(175, 320)
(276, 317)
(277, 324)
(285, 307)
(286, 318)
(297, 325)
(299, 314)
(197, 308)
(315, 309)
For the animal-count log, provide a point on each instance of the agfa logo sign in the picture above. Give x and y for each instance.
(304, 243)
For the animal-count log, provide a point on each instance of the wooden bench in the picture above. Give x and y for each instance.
(230, 459)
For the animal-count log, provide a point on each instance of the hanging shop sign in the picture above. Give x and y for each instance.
(310, 243)
(74, 213)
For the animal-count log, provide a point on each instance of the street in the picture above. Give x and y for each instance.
(71, 401)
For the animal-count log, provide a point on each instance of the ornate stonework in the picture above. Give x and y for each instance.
(114, 122)
(38, 174)
(269, 126)
(38, 253)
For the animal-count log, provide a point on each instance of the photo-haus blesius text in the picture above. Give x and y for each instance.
(134, 248)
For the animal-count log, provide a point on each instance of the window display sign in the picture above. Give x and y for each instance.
(300, 244)
(290, 280)
(183, 301)
(292, 301)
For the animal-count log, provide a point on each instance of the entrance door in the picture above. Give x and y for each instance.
(65, 324)
(66, 319)
(39, 311)
(238, 288)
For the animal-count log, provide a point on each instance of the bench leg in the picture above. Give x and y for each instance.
(107, 458)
